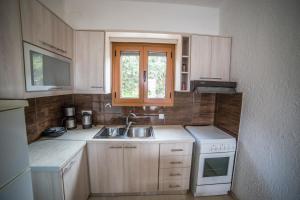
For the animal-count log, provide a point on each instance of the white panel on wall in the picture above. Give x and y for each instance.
(265, 63)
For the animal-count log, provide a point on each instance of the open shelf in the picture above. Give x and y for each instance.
(185, 66)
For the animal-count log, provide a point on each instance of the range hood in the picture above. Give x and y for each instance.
(213, 87)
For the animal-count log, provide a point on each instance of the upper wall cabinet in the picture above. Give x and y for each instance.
(210, 58)
(42, 28)
(88, 62)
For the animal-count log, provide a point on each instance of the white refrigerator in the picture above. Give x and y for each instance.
(15, 174)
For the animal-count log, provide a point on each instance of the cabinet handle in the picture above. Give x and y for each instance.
(145, 76)
(210, 78)
(53, 47)
(55, 88)
(176, 150)
(69, 166)
(133, 147)
(175, 162)
(96, 87)
(171, 174)
(174, 186)
(113, 147)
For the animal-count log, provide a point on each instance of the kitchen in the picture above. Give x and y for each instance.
(199, 102)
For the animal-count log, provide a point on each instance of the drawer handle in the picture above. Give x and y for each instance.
(175, 162)
(113, 147)
(96, 87)
(176, 150)
(172, 174)
(133, 147)
(210, 78)
(174, 186)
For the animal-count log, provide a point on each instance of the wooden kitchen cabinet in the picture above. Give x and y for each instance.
(44, 29)
(210, 58)
(106, 167)
(123, 167)
(88, 62)
(140, 167)
(175, 166)
(69, 183)
(75, 178)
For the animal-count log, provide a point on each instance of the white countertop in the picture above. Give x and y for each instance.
(55, 153)
(52, 155)
(162, 134)
(79, 134)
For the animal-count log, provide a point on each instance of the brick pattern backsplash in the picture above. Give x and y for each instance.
(43, 113)
(187, 109)
(228, 112)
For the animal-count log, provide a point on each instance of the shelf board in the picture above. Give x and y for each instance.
(185, 56)
(184, 72)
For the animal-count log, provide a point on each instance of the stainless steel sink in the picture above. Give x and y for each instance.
(140, 132)
(120, 132)
(110, 132)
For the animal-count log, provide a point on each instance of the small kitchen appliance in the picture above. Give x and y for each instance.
(69, 120)
(86, 120)
(214, 154)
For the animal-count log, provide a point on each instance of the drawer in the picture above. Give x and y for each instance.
(172, 185)
(176, 149)
(175, 161)
(174, 173)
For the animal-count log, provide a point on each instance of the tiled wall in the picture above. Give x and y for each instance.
(228, 112)
(43, 113)
(188, 109)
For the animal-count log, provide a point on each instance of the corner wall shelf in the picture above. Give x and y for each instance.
(185, 64)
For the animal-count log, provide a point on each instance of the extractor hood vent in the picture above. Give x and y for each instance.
(213, 87)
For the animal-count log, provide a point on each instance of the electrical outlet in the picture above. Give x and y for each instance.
(161, 116)
(87, 111)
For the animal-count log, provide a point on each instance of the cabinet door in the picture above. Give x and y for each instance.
(220, 63)
(42, 28)
(75, 178)
(141, 167)
(106, 167)
(89, 55)
(200, 57)
(33, 21)
(11, 55)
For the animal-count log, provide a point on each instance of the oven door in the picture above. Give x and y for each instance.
(215, 168)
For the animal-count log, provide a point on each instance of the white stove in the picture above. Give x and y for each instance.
(213, 160)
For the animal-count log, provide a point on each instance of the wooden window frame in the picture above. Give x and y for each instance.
(143, 100)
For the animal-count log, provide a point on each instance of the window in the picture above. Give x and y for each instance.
(142, 74)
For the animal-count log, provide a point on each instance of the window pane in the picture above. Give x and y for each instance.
(49, 71)
(157, 70)
(36, 68)
(215, 167)
(129, 69)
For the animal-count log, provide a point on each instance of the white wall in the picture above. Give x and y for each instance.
(135, 15)
(266, 64)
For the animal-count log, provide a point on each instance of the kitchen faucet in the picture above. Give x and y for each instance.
(129, 123)
(128, 117)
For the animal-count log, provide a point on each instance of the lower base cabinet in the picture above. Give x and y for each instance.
(135, 167)
(69, 183)
(123, 167)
